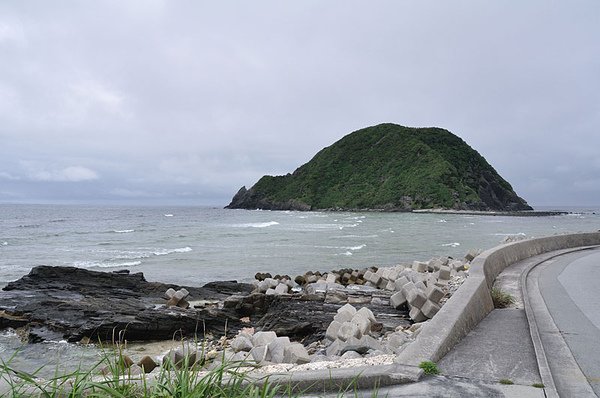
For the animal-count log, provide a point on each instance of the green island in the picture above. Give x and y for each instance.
(388, 167)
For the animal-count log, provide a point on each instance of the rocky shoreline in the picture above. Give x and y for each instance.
(314, 321)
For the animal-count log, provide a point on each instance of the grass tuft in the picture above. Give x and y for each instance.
(506, 381)
(430, 368)
(501, 299)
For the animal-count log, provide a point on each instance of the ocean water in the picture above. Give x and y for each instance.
(195, 245)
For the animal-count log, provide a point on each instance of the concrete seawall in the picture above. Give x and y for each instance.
(473, 301)
(463, 311)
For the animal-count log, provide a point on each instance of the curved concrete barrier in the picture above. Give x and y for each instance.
(464, 310)
(472, 302)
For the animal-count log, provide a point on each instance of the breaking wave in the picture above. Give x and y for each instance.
(106, 264)
(257, 224)
(453, 244)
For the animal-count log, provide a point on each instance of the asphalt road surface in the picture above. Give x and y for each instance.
(570, 286)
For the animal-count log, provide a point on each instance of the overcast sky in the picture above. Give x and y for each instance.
(183, 102)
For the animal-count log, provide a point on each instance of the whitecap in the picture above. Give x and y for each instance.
(123, 231)
(164, 252)
(442, 220)
(353, 248)
(128, 264)
(453, 244)
(168, 215)
(511, 234)
(256, 224)
(349, 226)
(348, 253)
(99, 264)
(4, 243)
(354, 236)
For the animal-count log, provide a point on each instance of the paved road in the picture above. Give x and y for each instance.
(570, 286)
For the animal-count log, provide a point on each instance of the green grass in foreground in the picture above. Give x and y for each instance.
(109, 378)
(224, 381)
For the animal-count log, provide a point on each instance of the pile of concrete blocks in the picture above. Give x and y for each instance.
(266, 348)
(344, 277)
(281, 285)
(128, 367)
(354, 334)
(350, 332)
(186, 357)
(422, 286)
(177, 298)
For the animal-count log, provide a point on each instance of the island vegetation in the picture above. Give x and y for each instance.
(388, 167)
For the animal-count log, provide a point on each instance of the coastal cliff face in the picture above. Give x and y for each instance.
(387, 167)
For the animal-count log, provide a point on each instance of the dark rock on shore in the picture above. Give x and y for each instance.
(55, 303)
(67, 303)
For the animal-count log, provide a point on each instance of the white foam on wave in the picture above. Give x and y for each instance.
(168, 215)
(100, 264)
(164, 252)
(442, 220)
(4, 243)
(453, 244)
(257, 224)
(123, 231)
(517, 234)
(348, 253)
(353, 248)
(354, 236)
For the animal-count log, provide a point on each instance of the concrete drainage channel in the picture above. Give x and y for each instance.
(470, 304)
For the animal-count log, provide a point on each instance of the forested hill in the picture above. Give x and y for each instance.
(387, 167)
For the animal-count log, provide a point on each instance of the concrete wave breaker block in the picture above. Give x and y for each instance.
(400, 282)
(416, 298)
(295, 353)
(332, 330)
(276, 349)
(434, 293)
(430, 308)
(444, 273)
(362, 322)
(416, 315)
(397, 300)
(263, 338)
(347, 330)
(420, 266)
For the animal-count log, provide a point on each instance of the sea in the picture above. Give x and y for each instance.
(195, 245)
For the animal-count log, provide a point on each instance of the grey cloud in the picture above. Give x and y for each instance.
(187, 101)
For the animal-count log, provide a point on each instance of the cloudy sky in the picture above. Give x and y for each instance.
(183, 102)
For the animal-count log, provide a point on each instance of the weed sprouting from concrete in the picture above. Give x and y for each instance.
(430, 368)
(501, 299)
